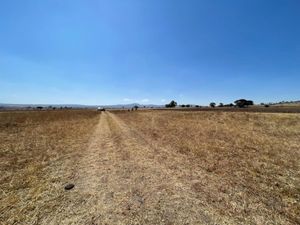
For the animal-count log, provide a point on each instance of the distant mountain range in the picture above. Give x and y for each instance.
(117, 106)
(287, 102)
(76, 106)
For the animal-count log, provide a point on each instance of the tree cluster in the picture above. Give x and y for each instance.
(241, 103)
(172, 104)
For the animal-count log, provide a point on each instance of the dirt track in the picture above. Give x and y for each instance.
(149, 168)
(122, 179)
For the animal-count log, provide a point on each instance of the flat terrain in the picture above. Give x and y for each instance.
(149, 167)
(289, 108)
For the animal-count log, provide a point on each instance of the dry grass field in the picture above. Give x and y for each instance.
(37, 150)
(289, 108)
(245, 167)
(150, 167)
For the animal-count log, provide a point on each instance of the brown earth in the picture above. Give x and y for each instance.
(153, 168)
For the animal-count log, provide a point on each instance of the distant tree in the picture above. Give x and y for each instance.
(221, 105)
(249, 102)
(267, 106)
(197, 106)
(241, 103)
(212, 104)
(183, 106)
(229, 105)
(172, 104)
(188, 106)
(39, 107)
(135, 107)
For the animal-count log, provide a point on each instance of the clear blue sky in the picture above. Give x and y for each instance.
(149, 51)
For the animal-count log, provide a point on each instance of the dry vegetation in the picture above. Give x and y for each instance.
(38, 150)
(149, 167)
(249, 162)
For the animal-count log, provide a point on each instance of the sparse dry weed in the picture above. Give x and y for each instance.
(249, 161)
(150, 167)
(37, 153)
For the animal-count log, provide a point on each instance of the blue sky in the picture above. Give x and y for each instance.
(149, 51)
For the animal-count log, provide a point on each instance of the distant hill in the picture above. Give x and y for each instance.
(129, 106)
(286, 103)
(76, 106)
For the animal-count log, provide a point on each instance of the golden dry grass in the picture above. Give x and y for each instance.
(149, 167)
(251, 161)
(38, 150)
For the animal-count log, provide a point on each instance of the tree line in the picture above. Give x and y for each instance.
(240, 103)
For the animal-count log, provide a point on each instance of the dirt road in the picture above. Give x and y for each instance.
(124, 179)
(149, 167)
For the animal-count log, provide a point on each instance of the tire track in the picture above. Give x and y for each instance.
(122, 179)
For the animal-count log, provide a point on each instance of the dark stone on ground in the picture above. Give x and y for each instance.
(69, 186)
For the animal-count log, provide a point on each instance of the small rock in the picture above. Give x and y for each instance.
(69, 186)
